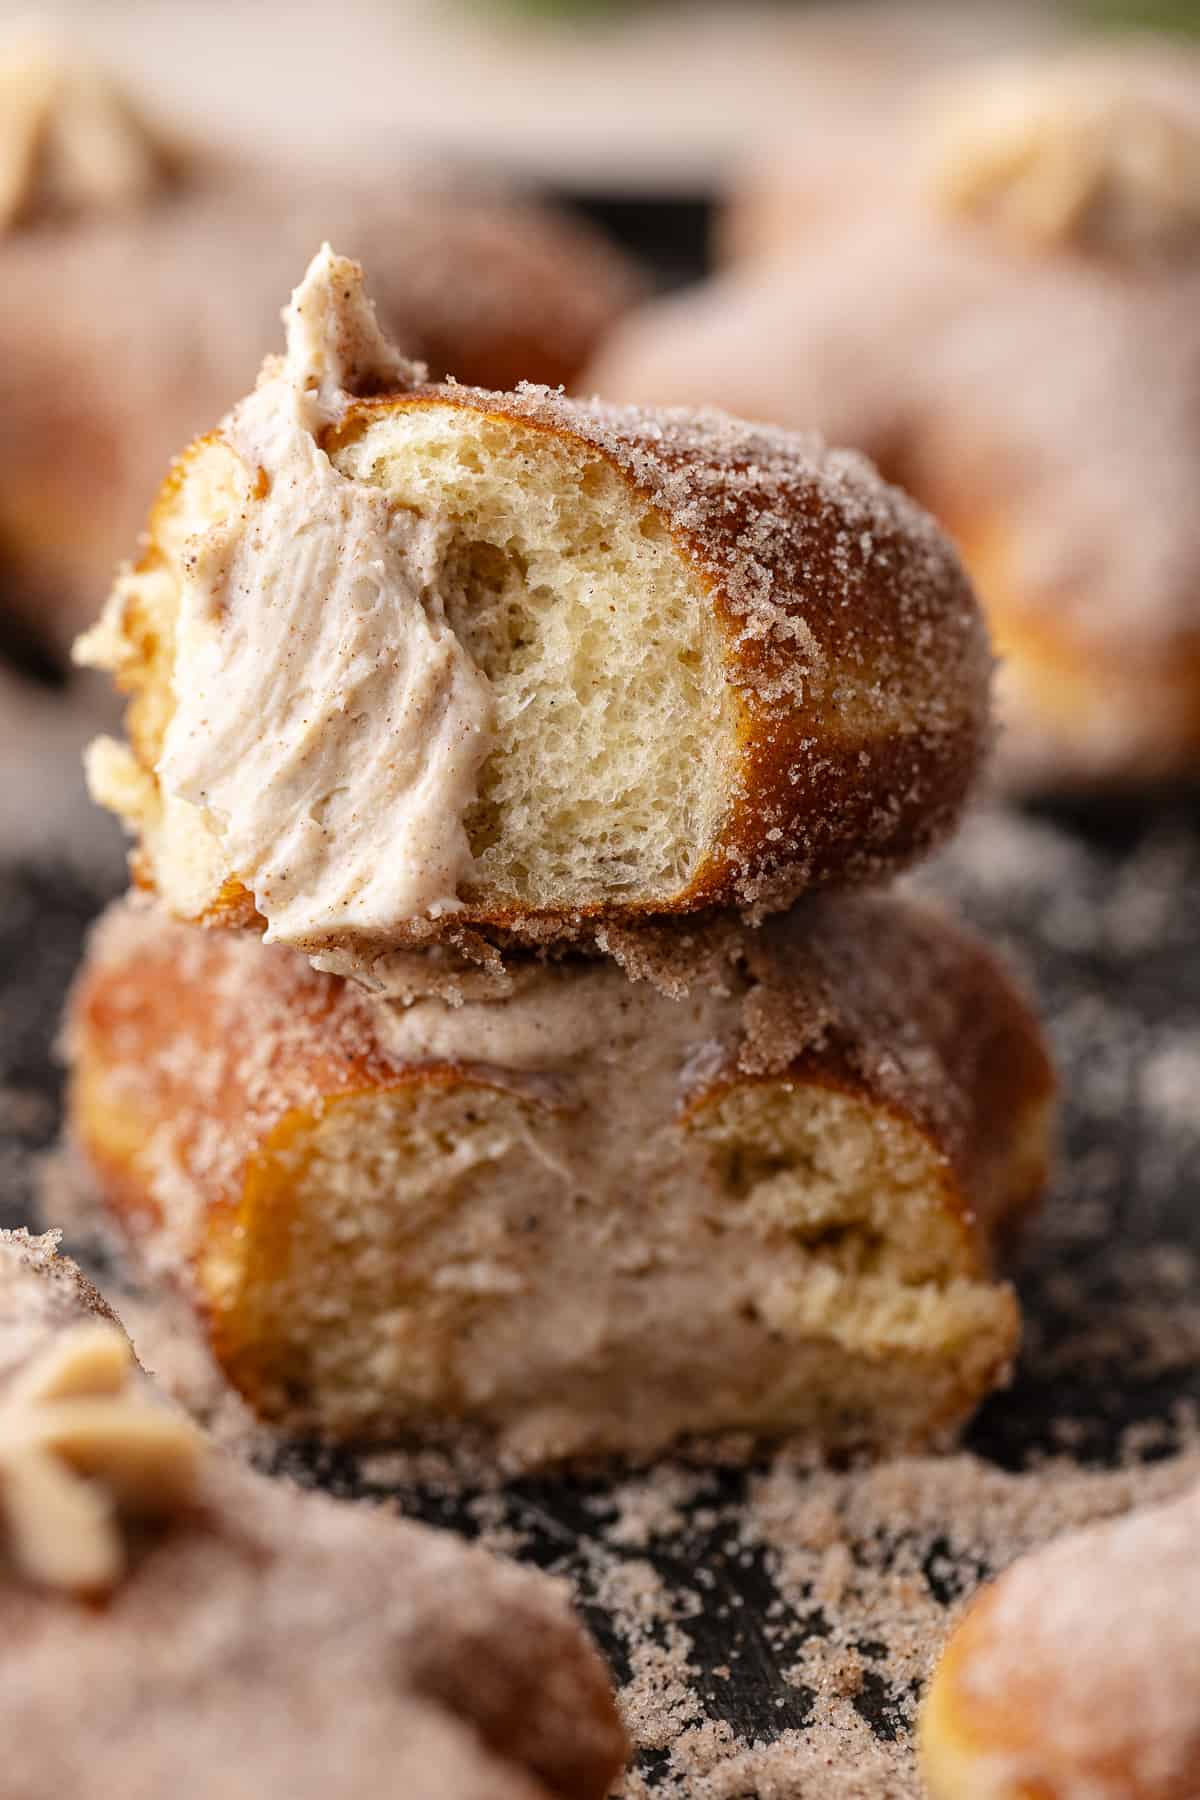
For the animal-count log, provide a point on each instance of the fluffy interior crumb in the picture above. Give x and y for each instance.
(571, 598)
(781, 1262)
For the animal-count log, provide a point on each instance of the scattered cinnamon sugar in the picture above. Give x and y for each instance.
(849, 1581)
(835, 1590)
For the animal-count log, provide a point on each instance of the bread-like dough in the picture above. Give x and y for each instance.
(758, 1192)
(265, 1641)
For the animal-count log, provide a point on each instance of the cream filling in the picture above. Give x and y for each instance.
(328, 723)
(589, 1020)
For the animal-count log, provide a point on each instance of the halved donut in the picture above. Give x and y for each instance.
(447, 658)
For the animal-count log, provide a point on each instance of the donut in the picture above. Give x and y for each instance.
(126, 330)
(256, 1640)
(740, 1180)
(407, 659)
(1076, 1675)
(1007, 319)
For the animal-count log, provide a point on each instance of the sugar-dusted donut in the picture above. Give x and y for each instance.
(408, 658)
(251, 1639)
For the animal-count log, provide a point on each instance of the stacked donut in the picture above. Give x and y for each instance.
(491, 1044)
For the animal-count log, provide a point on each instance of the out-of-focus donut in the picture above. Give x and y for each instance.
(1006, 316)
(251, 1639)
(141, 282)
(1076, 1676)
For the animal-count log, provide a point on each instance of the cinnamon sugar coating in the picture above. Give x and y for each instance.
(41, 1295)
(851, 638)
(886, 995)
(84, 1450)
(286, 1643)
(977, 383)
(849, 648)
(1077, 1674)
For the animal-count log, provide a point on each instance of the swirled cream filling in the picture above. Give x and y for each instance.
(328, 724)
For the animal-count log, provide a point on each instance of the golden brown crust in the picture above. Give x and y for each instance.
(122, 338)
(927, 1025)
(851, 643)
(210, 1054)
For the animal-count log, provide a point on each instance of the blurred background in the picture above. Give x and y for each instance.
(645, 116)
(602, 96)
